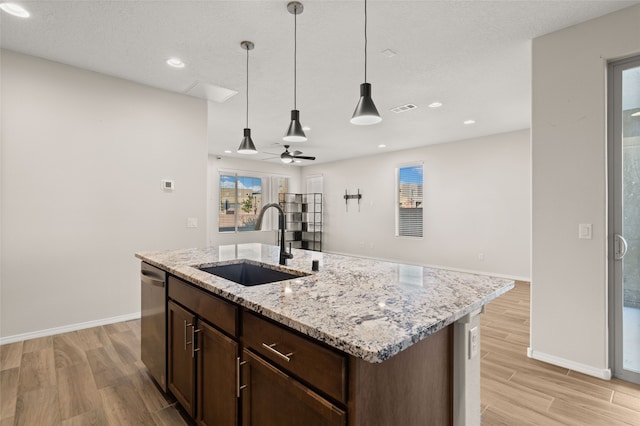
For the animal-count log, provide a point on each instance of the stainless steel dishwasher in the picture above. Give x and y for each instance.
(153, 322)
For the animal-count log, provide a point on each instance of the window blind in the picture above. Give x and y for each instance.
(410, 201)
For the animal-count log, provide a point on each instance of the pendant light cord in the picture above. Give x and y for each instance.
(247, 91)
(365, 41)
(295, 55)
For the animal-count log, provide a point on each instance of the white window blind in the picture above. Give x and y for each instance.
(409, 215)
(314, 184)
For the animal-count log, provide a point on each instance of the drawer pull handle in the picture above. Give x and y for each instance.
(193, 341)
(272, 348)
(238, 386)
(186, 324)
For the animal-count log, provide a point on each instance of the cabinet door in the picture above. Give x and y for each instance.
(272, 398)
(217, 381)
(181, 362)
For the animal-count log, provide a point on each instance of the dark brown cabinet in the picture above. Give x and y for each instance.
(181, 368)
(273, 398)
(217, 369)
(229, 366)
(203, 361)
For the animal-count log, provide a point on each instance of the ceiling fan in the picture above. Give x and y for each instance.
(290, 157)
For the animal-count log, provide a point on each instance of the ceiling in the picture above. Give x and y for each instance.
(472, 56)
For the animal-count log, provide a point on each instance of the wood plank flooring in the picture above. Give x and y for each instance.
(95, 377)
(86, 377)
(517, 390)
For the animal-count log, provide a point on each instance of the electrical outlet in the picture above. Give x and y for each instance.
(192, 222)
(474, 342)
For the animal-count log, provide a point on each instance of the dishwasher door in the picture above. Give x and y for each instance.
(153, 322)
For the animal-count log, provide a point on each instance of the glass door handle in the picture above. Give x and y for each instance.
(620, 247)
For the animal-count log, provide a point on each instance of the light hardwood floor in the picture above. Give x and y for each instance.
(87, 377)
(517, 390)
(95, 377)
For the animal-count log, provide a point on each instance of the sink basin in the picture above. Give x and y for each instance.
(250, 274)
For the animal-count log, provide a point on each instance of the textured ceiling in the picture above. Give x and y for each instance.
(473, 56)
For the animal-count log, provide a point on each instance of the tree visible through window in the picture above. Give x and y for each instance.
(240, 202)
(410, 201)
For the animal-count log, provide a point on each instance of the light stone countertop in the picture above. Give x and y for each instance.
(367, 308)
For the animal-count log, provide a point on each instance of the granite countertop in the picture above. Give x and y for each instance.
(367, 308)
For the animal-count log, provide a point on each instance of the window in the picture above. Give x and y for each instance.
(241, 197)
(240, 202)
(314, 184)
(409, 201)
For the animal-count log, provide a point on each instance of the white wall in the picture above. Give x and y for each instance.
(569, 288)
(83, 155)
(477, 200)
(253, 168)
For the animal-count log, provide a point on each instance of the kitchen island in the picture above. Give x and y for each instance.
(386, 343)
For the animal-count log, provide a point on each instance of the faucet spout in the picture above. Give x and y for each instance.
(281, 226)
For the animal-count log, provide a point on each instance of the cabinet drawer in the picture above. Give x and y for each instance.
(218, 312)
(310, 361)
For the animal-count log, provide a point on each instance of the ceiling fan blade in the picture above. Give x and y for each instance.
(296, 152)
(303, 157)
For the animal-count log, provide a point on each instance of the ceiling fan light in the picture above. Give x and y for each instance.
(247, 146)
(295, 132)
(286, 156)
(366, 111)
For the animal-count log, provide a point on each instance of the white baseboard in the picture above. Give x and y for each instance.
(67, 328)
(600, 373)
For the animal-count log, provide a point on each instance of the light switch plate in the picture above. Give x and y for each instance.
(585, 231)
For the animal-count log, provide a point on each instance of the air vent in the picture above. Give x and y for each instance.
(403, 108)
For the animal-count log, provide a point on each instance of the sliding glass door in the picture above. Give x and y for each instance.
(624, 178)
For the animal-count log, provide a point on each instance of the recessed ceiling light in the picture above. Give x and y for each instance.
(435, 105)
(226, 151)
(306, 128)
(469, 122)
(15, 10)
(636, 114)
(382, 145)
(175, 62)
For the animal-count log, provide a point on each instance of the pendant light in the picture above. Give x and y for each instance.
(295, 132)
(247, 146)
(366, 111)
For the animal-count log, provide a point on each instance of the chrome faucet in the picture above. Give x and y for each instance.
(281, 224)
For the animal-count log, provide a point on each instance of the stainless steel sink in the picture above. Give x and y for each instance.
(250, 274)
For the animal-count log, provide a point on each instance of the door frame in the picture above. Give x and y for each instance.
(614, 177)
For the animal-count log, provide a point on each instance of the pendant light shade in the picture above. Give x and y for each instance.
(295, 132)
(366, 111)
(247, 146)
